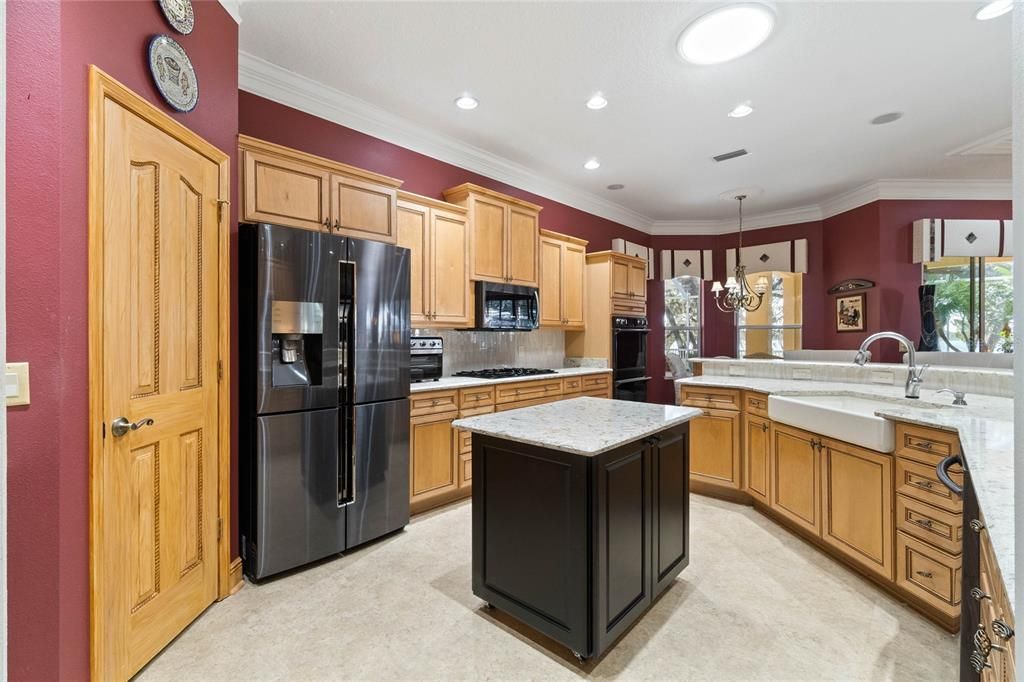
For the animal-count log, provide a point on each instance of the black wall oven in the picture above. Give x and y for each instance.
(629, 358)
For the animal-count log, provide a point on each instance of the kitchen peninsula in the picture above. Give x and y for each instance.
(580, 514)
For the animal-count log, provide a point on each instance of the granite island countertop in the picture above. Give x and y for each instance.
(446, 383)
(583, 426)
(984, 426)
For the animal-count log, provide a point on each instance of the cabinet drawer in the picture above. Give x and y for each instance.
(505, 407)
(527, 390)
(596, 381)
(755, 403)
(935, 526)
(433, 402)
(928, 446)
(478, 396)
(465, 441)
(465, 470)
(713, 398)
(928, 573)
(628, 306)
(595, 393)
(920, 482)
(572, 385)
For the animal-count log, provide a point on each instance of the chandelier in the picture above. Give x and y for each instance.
(738, 292)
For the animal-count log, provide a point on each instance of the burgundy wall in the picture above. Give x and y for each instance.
(49, 49)
(421, 174)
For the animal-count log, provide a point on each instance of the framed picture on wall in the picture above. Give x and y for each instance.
(851, 312)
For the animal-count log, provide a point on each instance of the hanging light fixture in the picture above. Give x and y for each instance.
(738, 292)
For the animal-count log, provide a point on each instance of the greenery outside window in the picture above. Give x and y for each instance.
(682, 324)
(973, 303)
(777, 325)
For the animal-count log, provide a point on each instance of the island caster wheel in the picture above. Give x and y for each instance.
(489, 606)
(579, 657)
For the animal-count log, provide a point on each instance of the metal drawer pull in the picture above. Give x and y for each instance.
(927, 445)
(979, 595)
(924, 523)
(924, 574)
(942, 471)
(976, 525)
(1002, 630)
(927, 485)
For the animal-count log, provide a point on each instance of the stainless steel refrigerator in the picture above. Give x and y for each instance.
(324, 382)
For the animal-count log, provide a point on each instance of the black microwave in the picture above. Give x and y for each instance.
(506, 307)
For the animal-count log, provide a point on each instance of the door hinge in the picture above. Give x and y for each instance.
(220, 528)
(220, 370)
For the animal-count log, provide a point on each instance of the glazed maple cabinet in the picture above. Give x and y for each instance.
(562, 264)
(795, 476)
(437, 236)
(288, 187)
(757, 461)
(505, 239)
(715, 452)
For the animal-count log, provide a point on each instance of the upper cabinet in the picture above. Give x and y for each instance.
(288, 187)
(437, 236)
(562, 262)
(624, 278)
(504, 241)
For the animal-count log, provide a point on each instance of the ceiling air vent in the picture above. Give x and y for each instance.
(730, 155)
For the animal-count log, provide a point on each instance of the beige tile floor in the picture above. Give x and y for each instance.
(754, 603)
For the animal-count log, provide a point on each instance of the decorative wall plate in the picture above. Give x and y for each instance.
(179, 14)
(172, 70)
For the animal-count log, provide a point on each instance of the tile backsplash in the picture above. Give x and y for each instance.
(465, 350)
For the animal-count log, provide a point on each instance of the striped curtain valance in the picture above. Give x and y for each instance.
(935, 238)
(788, 256)
(690, 262)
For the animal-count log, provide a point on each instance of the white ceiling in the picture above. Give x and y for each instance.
(825, 72)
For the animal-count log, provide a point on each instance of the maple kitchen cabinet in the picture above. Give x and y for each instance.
(433, 457)
(715, 452)
(562, 265)
(795, 476)
(505, 236)
(437, 236)
(284, 186)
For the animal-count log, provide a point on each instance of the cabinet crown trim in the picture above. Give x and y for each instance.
(460, 192)
(256, 144)
(430, 201)
(601, 256)
(563, 237)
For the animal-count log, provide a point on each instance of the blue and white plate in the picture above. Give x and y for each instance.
(179, 14)
(173, 72)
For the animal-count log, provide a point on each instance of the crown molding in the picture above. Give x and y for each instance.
(998, 143)
(263, 78)
(268, 80)
(233, 8)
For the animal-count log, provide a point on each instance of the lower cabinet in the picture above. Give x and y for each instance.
(857, 499)
(794, 477)
(715, 456)
(433, 458)
(757, 463)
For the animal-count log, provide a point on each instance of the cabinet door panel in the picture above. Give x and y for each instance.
(714, 448)
(757, 444)
(285, 192)
(670, 520)
(856, 489)
(433, 456)
(488, 239)
(522, 247)
(573, 273)
(363, 209)
(412, 232)
(794, 478)
(638, 280)
(551, 277)
(449, 269)
(620, 278)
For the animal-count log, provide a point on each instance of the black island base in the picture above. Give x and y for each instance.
(579, 546)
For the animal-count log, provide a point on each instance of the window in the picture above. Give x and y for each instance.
(777, 325)
(682, 324)
(973, 303)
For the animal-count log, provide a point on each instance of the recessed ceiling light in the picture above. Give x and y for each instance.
(741, 110)
(616, 186)
(882, 119)
(991, 10)
(467, 102)
(597, 101)
(726, 33)
(592, 164)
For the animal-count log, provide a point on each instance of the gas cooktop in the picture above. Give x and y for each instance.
(504, 372)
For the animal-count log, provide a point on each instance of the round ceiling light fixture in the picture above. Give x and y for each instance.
(740, 110)
(592, 164)
(882, 119)
(467, 102)
(615, 186)
(991, 10)
(726, 33)
(597, 101)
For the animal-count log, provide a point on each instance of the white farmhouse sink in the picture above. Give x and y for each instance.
(843, 417)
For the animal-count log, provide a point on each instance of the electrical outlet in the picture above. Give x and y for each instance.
(883, 376)
(16, 384)
(737, 371)
(801, 374)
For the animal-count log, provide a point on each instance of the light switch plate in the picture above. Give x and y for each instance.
(737, 371)
(16, 384)
(801, 373)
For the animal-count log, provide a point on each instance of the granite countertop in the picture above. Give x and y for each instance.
(468, 382)
(582, 426)
(985, 428)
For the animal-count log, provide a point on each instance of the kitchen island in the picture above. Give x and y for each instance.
(580, 514)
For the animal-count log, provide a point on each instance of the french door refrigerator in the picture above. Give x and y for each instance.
(324, 387)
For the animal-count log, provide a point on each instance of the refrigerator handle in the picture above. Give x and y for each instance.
(347, 457)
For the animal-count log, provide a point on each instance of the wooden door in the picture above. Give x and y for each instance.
(715, 448)
(157, 316)
(363, 209)
(433, 456)
(489, 238)
(522, 246)
(574, 258)
(857, 499)
(757, 443)
(620, 278)
(449, 269)
(412, 230)
(551, 278)
(638, 280)
(284, 192)
(794, 477)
